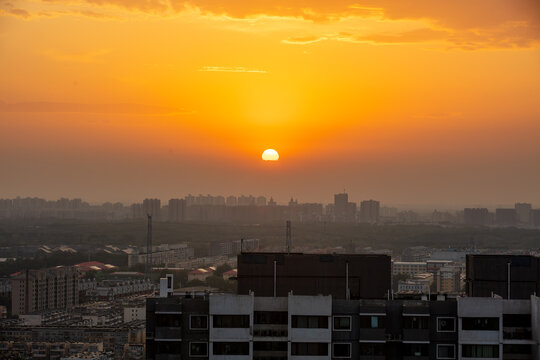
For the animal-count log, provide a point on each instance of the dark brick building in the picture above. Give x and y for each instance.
(365, 276)
(487, 274)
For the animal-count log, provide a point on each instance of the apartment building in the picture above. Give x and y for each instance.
(300, 327)
(496, 328)
(36, 290)
(410, 268)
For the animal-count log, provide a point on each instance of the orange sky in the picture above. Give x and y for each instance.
(420, 102)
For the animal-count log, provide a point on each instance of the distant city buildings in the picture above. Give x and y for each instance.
(369, 211)
(36, 290)
(163, 255)
(258, 210)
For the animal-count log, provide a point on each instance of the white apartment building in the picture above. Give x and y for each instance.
(496, 328)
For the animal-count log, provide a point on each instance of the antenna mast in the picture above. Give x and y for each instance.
(288, 243)
(148, 269)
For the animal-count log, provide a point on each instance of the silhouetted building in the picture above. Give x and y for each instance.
(152, 207)
(177, 210)
(476, 216)
(344, 211)
(369, 211)
(491, 274)
(345, 275)
(535, 217)
(523, 213)
(506, 217)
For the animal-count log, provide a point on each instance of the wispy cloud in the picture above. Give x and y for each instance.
(304, 40)
(232, 69)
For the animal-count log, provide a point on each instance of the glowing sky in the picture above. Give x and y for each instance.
(420, 102)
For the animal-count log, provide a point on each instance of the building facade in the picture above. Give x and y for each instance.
(36, 290)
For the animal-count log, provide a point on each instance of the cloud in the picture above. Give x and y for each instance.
(7, 8)
(304, 40)
(233, 69)
(463, 24)
(55, 107)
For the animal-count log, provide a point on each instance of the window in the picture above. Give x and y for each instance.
(271, 317)
(231, 348)
(198, 349)
(231, 321)
(473, 323)
(198, 322)
(516, 349)
(168, 320)
(309, 322)
(446, 324)
(372, 322)
(416, 322)
(342, 323)
(375, 349)
(517, 320)
(309, 349)
(416, 349)
(480, 351)
(446, 351)
(341, 350)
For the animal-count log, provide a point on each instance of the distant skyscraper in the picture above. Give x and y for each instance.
(476, 216)
(523, 212)
(152, 207)
(341, 206)
(260, 201)
(506, 217)
(177, 210)
(231, 201)
(369, 211)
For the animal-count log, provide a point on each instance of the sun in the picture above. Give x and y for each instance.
(270, 155)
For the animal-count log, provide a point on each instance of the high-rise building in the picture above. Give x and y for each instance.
(231, 201)
(506, 217)
(152, 207)
(523, 212)
(369, 211)
(230, 326)
(177, 210)
(36, 290)
(344, 211)
(476, 216)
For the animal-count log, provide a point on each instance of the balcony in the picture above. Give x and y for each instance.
(415, 334)
(517, 333)
(269, 330)
(372, 334)
(168, 333)
(168, 309)
(168, 357)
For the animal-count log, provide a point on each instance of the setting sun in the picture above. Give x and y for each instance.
(270, 155)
